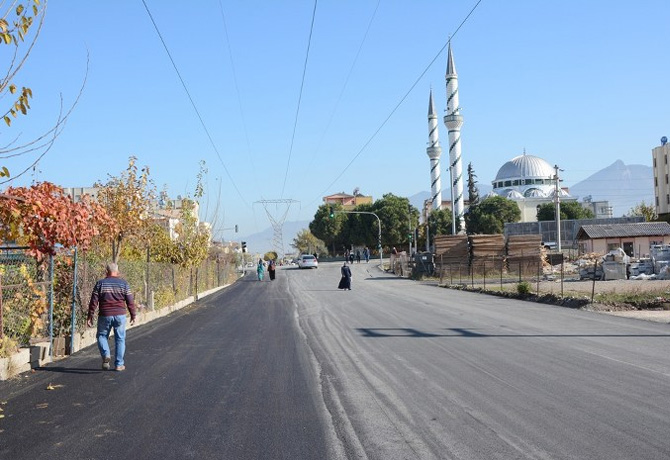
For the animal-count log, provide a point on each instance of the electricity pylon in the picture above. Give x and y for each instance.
(277, 222)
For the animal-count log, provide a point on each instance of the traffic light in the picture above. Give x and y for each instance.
(331, 212)
(244, 246)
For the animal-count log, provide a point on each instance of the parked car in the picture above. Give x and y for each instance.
(308, 261)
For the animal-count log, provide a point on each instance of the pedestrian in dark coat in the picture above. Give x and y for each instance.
(271, 269)
(345, 281)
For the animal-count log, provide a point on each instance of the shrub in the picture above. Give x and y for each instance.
(523, 288)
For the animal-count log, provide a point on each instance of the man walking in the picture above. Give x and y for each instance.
(112, 295)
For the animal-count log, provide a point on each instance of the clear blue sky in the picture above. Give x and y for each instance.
(580, 84)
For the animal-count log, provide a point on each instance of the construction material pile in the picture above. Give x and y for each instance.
(524, 254)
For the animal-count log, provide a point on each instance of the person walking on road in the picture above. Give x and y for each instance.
(260, 269)
(366, 254)
(358, 256)
(345, 281)
(271, 269)
(111, 295)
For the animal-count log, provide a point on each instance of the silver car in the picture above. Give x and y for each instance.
(308, 261)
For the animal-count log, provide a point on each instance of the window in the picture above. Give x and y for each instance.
(655, 181)
(538, 181)
(667, 199)
(654, 162)
(529, 181)
(657, 201)
(666, 178)
(508, 183)
(612, 246)
(516, 182)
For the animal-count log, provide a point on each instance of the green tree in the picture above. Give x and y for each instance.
(328, 229)
(473, 191)
(648, 211)
(490, 215)
(191, 245)
(361, 229)
(569, 210)
(306, 243)
(439, 222)
(396, 215)
(271, 255)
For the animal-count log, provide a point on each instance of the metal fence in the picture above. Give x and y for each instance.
(42, 301)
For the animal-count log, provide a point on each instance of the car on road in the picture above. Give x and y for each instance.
(308, 261)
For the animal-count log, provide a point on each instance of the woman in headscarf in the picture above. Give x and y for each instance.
(260, 269)
(345, 281)
(271, 269)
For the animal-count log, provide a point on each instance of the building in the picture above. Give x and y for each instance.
(531, 182)
(634, 239)
(600, 209)
(166, 213)
(348, 202)
(661, 187)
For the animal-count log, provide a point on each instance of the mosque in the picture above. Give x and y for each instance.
(530, 181)
(526, 179)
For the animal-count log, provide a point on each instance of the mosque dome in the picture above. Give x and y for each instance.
(513, 195)
(534, 193)
(525, 166)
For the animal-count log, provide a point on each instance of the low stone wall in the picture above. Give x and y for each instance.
(38, 354)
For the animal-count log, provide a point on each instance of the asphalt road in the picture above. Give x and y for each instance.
(393, 369)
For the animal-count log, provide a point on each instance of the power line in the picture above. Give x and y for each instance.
(346, 82)
(237, 88)
(402, 99)
(195, 108)
(302, 84)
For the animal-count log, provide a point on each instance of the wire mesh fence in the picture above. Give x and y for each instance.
(43, 300)
(25, 288)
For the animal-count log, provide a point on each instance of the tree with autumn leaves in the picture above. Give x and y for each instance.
(129, 200)
(44, 217)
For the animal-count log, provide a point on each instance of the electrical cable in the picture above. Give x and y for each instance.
(416, 82)
(346, 82)
(237, 88)
(297, 111)
(195, 108)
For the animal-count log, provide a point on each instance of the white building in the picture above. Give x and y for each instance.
(529, 181)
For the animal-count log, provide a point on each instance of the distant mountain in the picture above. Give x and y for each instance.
(624, 186)
(262, 242)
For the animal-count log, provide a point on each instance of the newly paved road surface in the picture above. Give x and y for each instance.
(393, 369)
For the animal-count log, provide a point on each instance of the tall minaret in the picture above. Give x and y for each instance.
(434, 152)
(453, 120)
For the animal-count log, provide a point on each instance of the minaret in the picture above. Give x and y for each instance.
(434, 152)
(453, 120)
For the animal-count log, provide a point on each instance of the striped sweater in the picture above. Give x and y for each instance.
(112, 295)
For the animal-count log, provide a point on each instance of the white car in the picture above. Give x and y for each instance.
(308, 261)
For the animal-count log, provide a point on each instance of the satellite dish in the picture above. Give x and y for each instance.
(664, 140)
(357, 190)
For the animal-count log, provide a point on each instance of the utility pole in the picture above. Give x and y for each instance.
(557, 201)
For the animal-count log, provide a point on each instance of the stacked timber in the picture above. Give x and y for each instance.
(524, 254)
(451, 254)
(451, 248)
(487, 252)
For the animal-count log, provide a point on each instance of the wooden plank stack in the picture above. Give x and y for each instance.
(487, 252)
(451, 248)
(524, 253)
